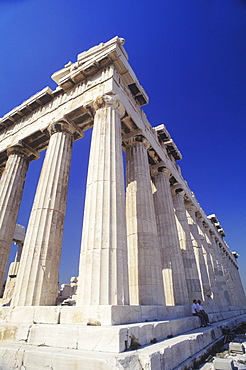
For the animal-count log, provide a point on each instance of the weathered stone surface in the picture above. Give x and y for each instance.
(38, 272)
(144, 254)
(223, 364)
(175, 287)
(11, 188)
(103, 276)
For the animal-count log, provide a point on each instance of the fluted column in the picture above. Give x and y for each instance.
(103, 272)
(144, 258)
(210, 259)
(233, 279)
(240, 293)
(191, 272)
(37, 280)
(199, 251)
(11, 189)
(175, 287)
(221, 278)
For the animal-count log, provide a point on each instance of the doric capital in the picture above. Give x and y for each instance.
(137, 140)
(190, 206)
(108, 100)
(65, 126)
(199, 216)
(159, 168)
(205, 225)
(23, 150)
(177, 189)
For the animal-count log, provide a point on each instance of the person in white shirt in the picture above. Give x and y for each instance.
(195, 312)
(201, 310)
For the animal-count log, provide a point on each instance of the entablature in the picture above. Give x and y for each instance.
(165, 138)
(96, 59)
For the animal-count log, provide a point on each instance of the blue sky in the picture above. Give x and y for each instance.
(190, 58)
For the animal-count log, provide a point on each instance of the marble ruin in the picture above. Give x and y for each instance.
(147, 251)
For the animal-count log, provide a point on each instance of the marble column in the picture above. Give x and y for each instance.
(221, 277)
(227, 275)
(103, 271)
(199, 251)
(240, 297)
(12, 274)
(175, 287)
(209, 258)
(144, 257)
(189, 261)
(37, 280)
(11, 189)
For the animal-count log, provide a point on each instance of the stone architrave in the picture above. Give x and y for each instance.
(144, 257)
(103, 272)
(190, 266)
(175, 287)
(11, 189)
(199, 251)
(37, 280)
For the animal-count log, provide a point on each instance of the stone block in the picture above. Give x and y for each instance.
(46, 315)
(5, 313)
(236, 347)
(95, 315)
(22, 314)
(223, 364)
(162, 330)
(60, 336)
(125, 314)
(102, 339)
(13, 333)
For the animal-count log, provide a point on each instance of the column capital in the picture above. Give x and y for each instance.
(190, 206)
(65, 126)
(205, 225)
(177, 189)
(156, 169)
(139, 139)
(212, 234)
(109, 100)
(199, 216)
(23, 150)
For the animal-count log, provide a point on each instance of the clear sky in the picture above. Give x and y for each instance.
(190, 57)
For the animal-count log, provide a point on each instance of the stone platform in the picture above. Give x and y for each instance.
(165, 344)
(177, 353)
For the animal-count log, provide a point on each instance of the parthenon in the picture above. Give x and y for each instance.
(148, 248)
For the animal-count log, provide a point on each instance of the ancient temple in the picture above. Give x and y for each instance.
(148, 249)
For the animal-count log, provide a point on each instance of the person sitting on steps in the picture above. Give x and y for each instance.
(201, 310)
(195, 312)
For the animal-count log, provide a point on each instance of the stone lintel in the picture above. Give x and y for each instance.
(41, 98)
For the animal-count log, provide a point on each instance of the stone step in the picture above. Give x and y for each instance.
(115, 339)
(178, 353)
(105, 314)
